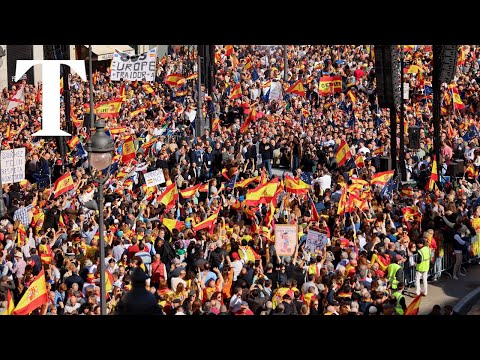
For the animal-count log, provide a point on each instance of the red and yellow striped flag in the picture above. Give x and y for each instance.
(75, 120)
(61, 222)
(433, 175)
(35, 296)
(203, 188)
(117, 130)
(208, 223)
(236, 92)
(297, 88)
(63, 184)
(192, 76)
(122, 93)
(382, 178)
(72, 143)
(215, 124)
(342, 202)
(359, 161)
(378, 151)
(296, 186)
(246, 182)
(10, 304)
(169, 197)
(407, 191)
(138, 111)
(228, 50)
(173, 224)
(343, 153)
(414, 306)
(262, 194)
(189, 192)
(252, 116)
(457, 101)
(352, 96)
(173, 79)
(128, 150)
(462, 56)
(248, 65)
(148, 89)
(108, 281)
(325, 85)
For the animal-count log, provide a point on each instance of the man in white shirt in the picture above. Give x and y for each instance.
(179, 279)
(236, 265)
(236, 300)
(325, 180)
(362, 148)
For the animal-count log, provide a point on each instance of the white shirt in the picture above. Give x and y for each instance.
(364, 150)
(325, 182)
(235, 303)
(175, 281)
(237, 266)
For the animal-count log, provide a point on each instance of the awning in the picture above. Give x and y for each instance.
(105, 52)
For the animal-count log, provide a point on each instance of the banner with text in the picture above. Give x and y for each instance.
(135, 67)
(154, 177)
(13, 165)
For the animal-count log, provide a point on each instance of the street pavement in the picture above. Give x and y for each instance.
(447, 291)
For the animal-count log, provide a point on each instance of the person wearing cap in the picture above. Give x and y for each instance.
(19, 268)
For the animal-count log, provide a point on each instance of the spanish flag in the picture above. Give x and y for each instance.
(356, 180)
(173, 224)
(408, 48)
(215, 124)
(414, 306)
(148, 89)
(108, 281)
(24, 184)
(408, 191)
(189, 192)
(109, 108)
(313, 210)
(192, 77)
(296, 186)
(75, 120)
(248, 65)
(433, 175)
(9, 132)
(252, 116)
(352, 96)
(342, 202)
(457, 101)
(61, 85)
(225, 173)
(296, 88)
(61, 222)
(72, 143)
(122, 93)
(269, 216)
(181, 93)
(208, 223)
(462, 56)
(10, 305)
(203, 188)
(382, 178)
(117, 130)
(173, 79)
(35, 296)
(128, 150)
(63, 184)
(246, 182)
(343, 153)
(267, 84)
(147, 145)
(236, 92)
(325, 85)
(359, 161)
(262, 194)
(228, 50)
(138, 111)
(410, 213)
(378, 151)
(169, 197)
(21, 234)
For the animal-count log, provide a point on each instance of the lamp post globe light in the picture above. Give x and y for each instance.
(100, 148)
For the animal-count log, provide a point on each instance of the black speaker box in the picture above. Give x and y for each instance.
(414, 137)
(387, 73)
(456, 168)
(385, 163)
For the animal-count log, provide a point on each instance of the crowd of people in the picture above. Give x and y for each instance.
(373, 253)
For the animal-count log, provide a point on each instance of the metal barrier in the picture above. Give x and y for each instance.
(442, 265)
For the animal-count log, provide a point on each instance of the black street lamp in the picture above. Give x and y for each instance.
(100, 148)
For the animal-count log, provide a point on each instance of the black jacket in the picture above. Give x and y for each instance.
(75, 278)
(266, 150)
(290, 309)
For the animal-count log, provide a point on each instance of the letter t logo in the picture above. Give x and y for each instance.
(51, 91)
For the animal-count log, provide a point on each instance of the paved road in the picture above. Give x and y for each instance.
(447, 291)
